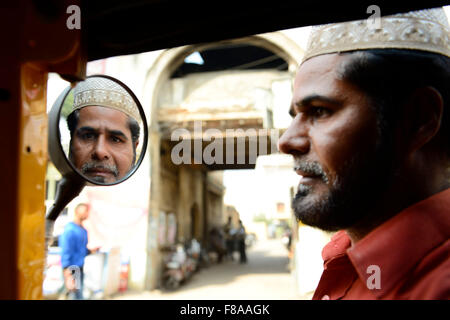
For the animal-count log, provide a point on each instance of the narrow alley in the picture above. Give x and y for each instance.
(265, 276)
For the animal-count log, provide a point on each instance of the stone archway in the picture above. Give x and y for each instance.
(171, 59)
(166, 63)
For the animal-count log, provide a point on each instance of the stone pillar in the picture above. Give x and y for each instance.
(153, 261)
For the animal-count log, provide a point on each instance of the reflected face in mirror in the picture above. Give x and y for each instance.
(103, 142)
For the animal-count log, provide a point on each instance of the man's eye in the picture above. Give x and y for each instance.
(116, 139)
(87, 136)
(319, 112)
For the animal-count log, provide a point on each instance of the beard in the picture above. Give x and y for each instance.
(88, 167)
(349, 198)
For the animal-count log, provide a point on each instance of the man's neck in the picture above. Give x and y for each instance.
(397, 198)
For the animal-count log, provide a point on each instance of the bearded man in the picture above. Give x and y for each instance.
(370, 140)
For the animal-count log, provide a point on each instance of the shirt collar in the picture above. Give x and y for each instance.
(399, 243)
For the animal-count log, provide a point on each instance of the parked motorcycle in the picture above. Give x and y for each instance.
(193, 250)
(178, 267)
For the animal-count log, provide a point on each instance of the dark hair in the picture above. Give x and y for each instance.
(73, 118)
(134, 128)
(388, 76)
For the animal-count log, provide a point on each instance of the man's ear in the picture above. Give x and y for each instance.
(422, 117)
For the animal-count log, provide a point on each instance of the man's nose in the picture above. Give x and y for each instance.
(295, 140)
(101, 151)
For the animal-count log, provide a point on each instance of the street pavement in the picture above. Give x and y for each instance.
(266, 276)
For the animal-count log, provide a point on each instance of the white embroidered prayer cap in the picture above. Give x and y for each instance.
(424, 30)
(99, 91)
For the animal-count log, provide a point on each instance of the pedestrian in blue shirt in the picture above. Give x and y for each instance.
(73, 243)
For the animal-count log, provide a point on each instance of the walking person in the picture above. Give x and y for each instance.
(73, 243)
(229, 232)
(241, 234)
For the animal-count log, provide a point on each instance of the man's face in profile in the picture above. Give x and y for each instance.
(336, 147)
(101, 144)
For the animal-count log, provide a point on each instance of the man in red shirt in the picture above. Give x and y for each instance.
(370, 139)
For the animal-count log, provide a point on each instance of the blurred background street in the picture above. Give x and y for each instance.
(266, 275)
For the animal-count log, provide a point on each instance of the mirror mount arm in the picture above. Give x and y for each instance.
(69, 188)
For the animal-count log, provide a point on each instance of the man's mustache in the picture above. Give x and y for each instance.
(93, 166)
(312, 168)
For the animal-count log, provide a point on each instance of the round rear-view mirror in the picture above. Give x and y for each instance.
(97, 136)
(97, 131)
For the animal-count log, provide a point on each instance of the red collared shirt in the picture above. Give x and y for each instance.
(407, 257)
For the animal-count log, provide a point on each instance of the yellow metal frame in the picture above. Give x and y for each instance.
(36, 45)
(31, 176)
